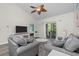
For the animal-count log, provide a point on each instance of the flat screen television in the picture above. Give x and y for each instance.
(20, 29)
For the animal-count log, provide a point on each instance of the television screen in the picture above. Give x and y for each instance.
(21, 29)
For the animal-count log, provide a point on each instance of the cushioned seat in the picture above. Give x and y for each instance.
(30, 49)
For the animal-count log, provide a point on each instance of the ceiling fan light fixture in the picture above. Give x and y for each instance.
(39, 9)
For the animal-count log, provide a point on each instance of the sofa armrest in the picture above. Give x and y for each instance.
(23, 49)
(13, 43)
(12, 47)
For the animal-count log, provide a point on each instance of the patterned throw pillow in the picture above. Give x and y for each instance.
(72, 43)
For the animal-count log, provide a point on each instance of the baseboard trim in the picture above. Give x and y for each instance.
(4, 43)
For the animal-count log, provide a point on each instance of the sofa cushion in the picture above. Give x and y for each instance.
(18, 39)
(59, 41)
(72, 43)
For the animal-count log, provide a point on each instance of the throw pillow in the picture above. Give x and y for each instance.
(18, 39)
(72, 43)
(59, 41)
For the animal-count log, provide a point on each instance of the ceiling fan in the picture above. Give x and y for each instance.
(38, 9)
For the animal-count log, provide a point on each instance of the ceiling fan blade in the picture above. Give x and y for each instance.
(42, 5)
(39, 13)
(32, 7)
(33, 11)
(43, 10)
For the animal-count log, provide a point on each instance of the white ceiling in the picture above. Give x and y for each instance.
(53, 9)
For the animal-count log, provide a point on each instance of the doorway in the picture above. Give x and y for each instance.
(51, 30)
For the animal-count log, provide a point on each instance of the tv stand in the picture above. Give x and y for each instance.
(26, 35)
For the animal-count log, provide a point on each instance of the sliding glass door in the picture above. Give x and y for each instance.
(51, 30)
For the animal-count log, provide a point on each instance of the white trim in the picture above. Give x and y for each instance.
(3, 43)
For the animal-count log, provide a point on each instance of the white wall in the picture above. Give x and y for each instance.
(10, 16)
(63, 22)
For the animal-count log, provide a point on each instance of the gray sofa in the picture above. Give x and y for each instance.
(49, 46)
(30, 49)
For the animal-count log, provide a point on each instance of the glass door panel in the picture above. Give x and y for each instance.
(51, 30)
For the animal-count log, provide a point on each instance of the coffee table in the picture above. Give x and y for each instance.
(41, 40)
